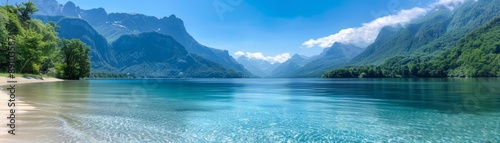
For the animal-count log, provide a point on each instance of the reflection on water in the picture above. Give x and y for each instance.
(263, 110)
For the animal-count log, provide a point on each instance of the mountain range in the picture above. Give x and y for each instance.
(337, 55)
(149, 54)
(432, 33)
(114, 25)
(258, 67)
(423, 39)
(296, 62)
(420, 40)
(445, 43)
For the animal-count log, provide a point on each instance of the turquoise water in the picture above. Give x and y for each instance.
(263, 110)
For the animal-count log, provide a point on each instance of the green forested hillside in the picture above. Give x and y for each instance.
(475, 55)
(431, 34)
(406, 40)
(38, 49)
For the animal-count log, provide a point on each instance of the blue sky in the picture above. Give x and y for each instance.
(270, 27)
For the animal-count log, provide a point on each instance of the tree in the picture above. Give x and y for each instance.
(76, 62)
(29, 57)
(25, 10)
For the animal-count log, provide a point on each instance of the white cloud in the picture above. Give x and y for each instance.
(259, 56)
(239, 54)
(281, 58)
(367, 33)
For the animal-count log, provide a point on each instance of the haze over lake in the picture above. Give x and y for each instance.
(262, 110)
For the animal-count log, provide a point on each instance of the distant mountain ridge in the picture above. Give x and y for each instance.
(337, 55)
(258, 67)
(295, 63)
(114, 25)
(148, 54)
(157, 55)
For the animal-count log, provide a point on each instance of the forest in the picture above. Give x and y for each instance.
(38, 48)
(475, 55)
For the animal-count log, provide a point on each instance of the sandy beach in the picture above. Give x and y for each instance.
(20, 106)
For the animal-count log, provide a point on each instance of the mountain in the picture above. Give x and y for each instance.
(406, 40)
(333, 57)
(384, 37)
(475, 55)
(157, 55)
(101, 54)
(258, 67)
(117, 24)
(296, 62)
(434, 32)
(114, 25)
(148, 54)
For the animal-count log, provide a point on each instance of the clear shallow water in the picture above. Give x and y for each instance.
(263, 110)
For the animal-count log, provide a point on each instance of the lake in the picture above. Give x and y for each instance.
(262, 110)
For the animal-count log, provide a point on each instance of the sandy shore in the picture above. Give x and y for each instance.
(21, 107)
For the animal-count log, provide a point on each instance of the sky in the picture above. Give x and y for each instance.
(275, 30)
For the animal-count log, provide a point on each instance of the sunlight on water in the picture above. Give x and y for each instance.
(263, 110)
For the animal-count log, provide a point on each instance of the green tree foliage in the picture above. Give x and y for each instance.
(25, 10)
(37, 48)
(29, 51)
(475, 55)
(76, 62)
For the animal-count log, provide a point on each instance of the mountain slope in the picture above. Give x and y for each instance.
(475, 55)
(157, 55)
(434, 32)
(336, 56)
(296, 62)
(144, 55)
(260, 68)
(118, 24)
(102, 57)
(114, 25)
(406, 40)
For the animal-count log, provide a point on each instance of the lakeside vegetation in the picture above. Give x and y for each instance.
(475, 55)
(38, 48)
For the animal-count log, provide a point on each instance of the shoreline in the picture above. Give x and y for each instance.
(21, 106)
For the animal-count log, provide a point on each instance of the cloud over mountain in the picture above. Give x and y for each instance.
(258, 55)
(367, 33)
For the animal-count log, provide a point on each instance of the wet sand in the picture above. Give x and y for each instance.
(20, 106)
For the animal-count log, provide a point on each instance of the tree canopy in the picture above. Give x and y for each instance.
(38, 48)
